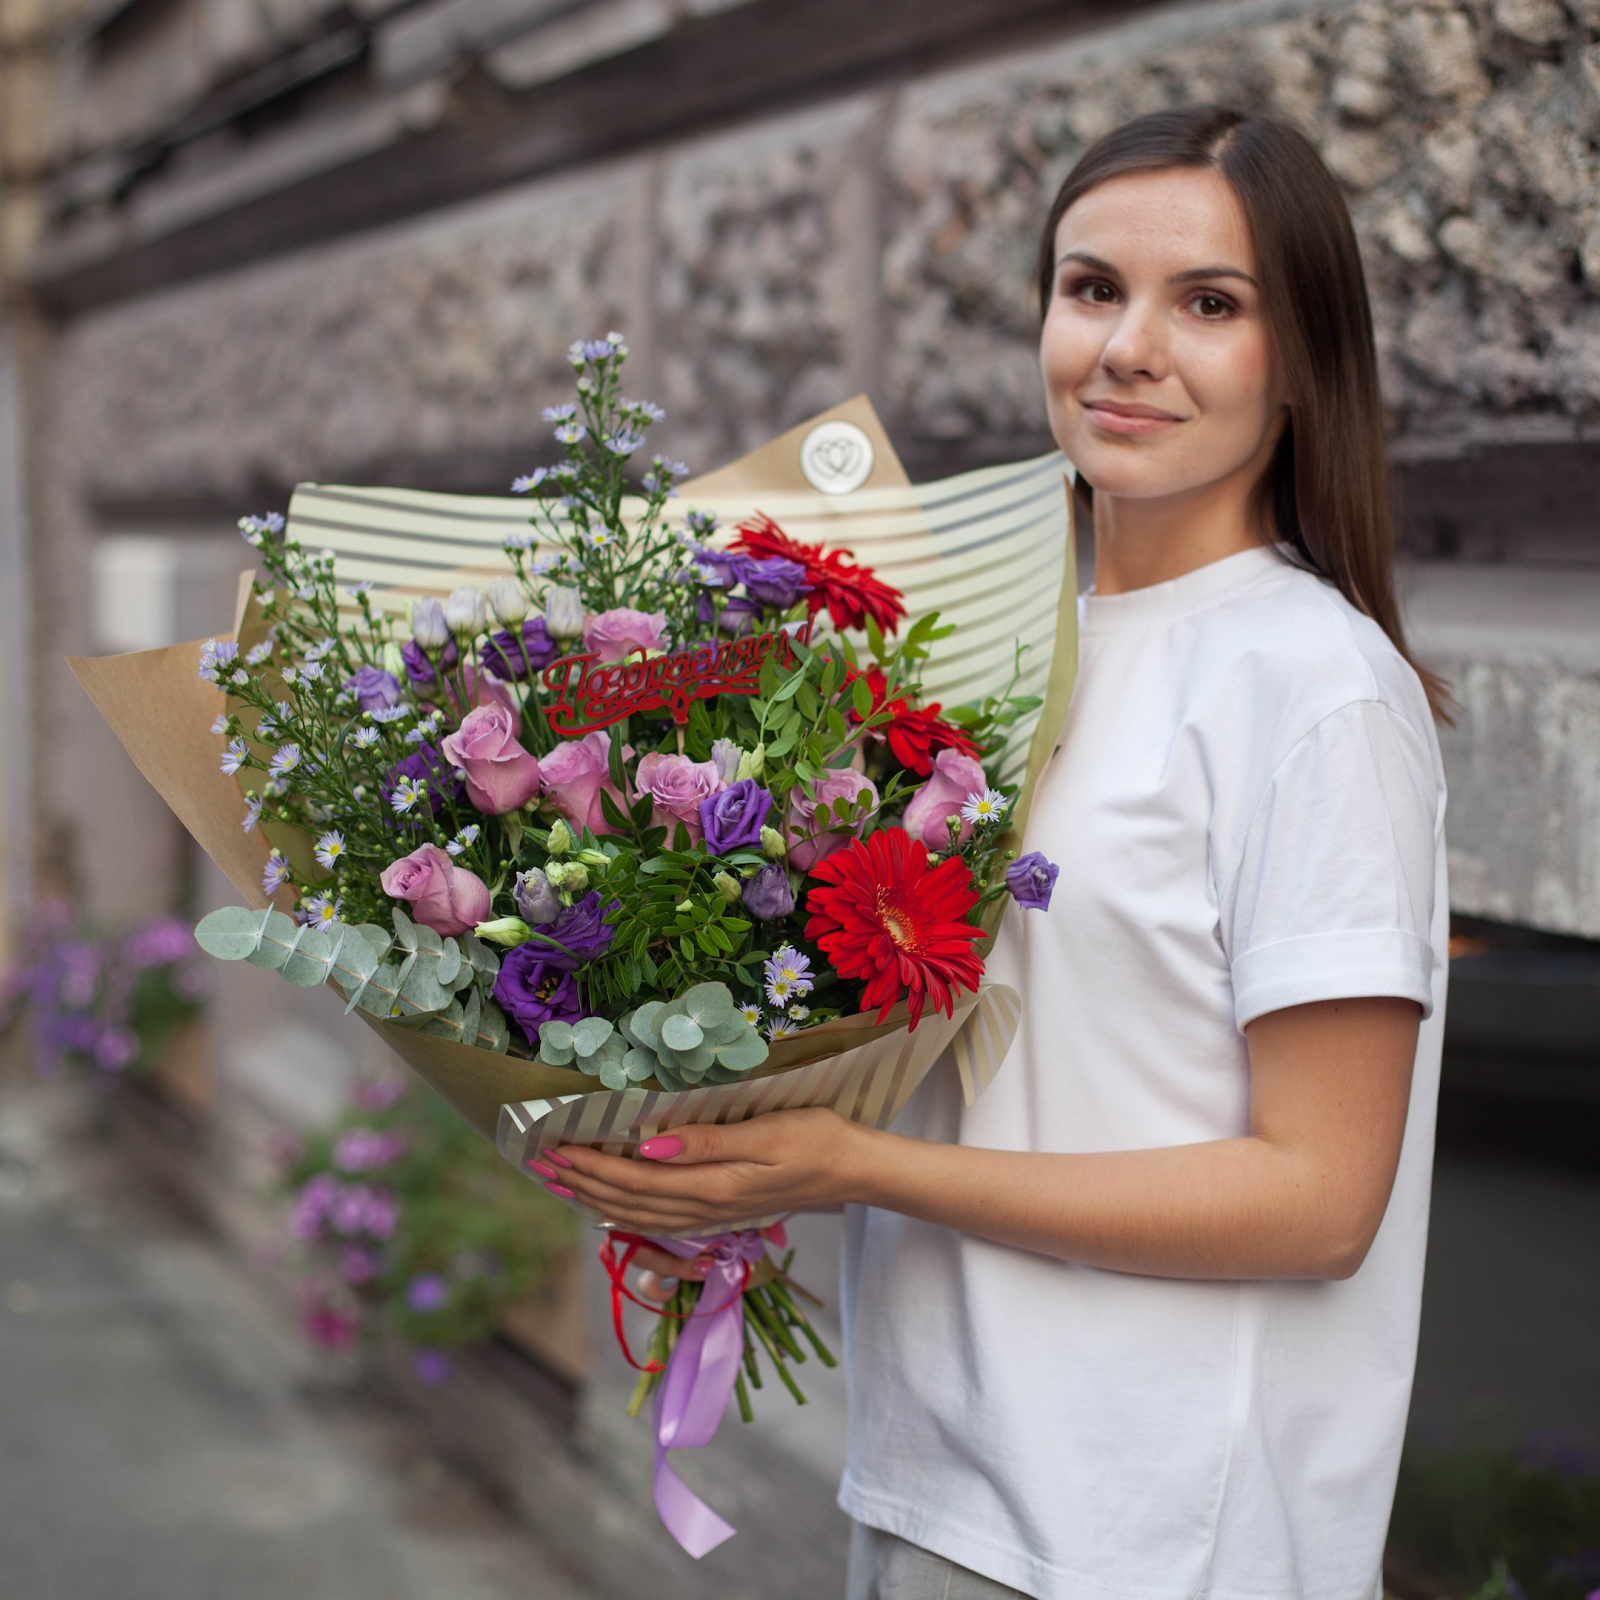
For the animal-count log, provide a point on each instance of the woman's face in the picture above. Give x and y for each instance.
(1158, 369)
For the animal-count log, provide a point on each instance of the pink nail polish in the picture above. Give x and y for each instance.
(557, 1157)
(662, 1148)
(541, 1169)
(561, 1191)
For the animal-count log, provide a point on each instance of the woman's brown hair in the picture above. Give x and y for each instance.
(1327, 485)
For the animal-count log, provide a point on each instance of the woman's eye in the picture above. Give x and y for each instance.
(1096, 291)
(1212, 307)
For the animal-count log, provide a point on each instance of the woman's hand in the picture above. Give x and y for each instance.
(702, 1178)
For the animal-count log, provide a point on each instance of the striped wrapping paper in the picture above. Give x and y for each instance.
(868, 1084)
(984, 549)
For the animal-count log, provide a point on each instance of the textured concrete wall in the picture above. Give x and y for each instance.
(880, 242)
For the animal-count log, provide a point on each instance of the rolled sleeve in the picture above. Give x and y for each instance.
(1332, 897)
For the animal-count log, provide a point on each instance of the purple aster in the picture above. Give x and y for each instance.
(508, 656)
(426, 765)
(276, 873)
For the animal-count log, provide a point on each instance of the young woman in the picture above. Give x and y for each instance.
(1140, 1324)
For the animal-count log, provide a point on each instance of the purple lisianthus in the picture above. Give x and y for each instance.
(426, 765)
(420, 669)
(775, 580)
(515, 655)
(768, 896)
(374, 689)
(533, 988)
(580, 929)
(714, 568)
(735, 817)
(427, 1292)
(1031, 880)
(737, 615)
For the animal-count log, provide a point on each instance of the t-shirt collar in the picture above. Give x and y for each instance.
(1206, 586)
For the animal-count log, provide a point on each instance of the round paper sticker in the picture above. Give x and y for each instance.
(836, 457)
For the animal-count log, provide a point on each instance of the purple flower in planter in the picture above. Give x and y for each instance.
(363, 1149)
(311, 1206)
(374, 689)
(734, 818)
(158, 943)
(1031, 880)
(356, 1265)
(768, 896)
(115, 1049)
(581, 929)
(431, 1367)
(533, 988)
(427, 1292)
(508, 655)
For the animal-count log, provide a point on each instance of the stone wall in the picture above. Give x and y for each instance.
(883, 242)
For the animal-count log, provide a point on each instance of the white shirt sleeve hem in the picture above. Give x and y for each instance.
(1348, 965)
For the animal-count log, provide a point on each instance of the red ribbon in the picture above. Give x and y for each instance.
(617, 1272)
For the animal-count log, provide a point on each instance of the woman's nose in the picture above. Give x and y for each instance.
(1135, 349)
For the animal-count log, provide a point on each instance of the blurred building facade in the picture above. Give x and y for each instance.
(248, 242)
(251, 241)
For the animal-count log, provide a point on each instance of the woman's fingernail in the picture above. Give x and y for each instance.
(555, 1156)
(541, 1169)
(561, 1191)
(662, 1148)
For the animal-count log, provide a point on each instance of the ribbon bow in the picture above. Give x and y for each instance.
(700, 1373)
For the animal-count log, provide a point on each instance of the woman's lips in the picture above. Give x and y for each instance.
(1129, 420)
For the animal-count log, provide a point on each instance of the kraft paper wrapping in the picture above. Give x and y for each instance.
(965, 547)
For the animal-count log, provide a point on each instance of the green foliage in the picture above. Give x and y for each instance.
(1497, 1526)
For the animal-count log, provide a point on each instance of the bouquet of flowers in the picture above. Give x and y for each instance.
(660, 819)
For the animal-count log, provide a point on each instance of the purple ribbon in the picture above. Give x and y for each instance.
(693, 1393)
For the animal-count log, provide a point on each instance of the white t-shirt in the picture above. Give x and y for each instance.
(1247, 809)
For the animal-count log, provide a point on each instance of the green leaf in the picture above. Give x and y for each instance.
(615, 816)
(681, 1033)
(614, 767)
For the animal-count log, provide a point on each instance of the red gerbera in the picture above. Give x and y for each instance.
(916, 735)
(850, 592)
(883, 914)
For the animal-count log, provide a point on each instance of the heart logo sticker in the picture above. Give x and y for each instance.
(836, 457)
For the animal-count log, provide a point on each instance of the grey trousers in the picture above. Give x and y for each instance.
(883, 1567)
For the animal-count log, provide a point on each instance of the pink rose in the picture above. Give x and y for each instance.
(841, 783)
(574, 774)
(615, 634)
(501, 775)
(443, 896)
(676, 786)
(954, 781)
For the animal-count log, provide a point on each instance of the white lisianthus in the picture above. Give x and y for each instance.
(428, 625)
(563, 614)
(465, 612)
(507, 602)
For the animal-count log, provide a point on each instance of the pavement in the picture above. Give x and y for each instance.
(165, 1433)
